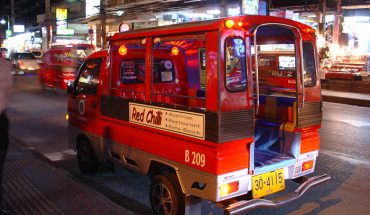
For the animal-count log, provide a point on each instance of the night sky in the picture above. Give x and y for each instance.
(25, 10)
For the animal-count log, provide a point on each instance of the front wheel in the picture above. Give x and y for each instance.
(86, 158)
(166, 197)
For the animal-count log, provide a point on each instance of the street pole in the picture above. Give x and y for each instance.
(337, 23)
(223, 8)
(8, 20)
(11, 15)
(103, 23)
(322, 6)
(47, 17)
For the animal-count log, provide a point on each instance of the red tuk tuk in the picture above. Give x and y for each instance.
(225, 110)
(60, 64)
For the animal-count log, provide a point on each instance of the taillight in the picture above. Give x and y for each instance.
(307, 165)
(228, 188)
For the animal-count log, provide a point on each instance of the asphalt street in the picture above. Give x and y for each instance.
(38, 121)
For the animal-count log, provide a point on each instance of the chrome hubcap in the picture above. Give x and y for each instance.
(162, 199)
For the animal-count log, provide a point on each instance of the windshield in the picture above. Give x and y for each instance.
(23, 56)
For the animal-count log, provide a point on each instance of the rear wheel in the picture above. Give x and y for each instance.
(86, 159)
(166, 197)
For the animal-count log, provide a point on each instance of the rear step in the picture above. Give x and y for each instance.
(243, 206)
(267, 157)
(267, 160)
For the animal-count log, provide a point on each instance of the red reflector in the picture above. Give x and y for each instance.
(307, 165)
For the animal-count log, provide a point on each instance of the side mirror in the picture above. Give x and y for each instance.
(70, 88)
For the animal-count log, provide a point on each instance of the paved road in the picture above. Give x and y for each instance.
(38, 119)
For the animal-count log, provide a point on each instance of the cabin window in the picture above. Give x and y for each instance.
(277, 67)
(128, 64)
(202, 62)
(178, 70)
(235, 77)
(309, 70)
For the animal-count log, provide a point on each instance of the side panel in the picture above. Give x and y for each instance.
(174, 146)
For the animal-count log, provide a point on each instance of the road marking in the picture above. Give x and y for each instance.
(355, 123)
(58, 156)
(349, 158)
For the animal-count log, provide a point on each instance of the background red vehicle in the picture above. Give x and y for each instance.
(60, 64)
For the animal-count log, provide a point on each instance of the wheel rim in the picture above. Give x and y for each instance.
(83, 158)
(162, 199)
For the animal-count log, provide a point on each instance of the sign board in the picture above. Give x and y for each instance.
(8, 33)
(18, 28)
(65, 31)
(288, 14)
(175, 121)
(61, 13)
(250, 7)
(124, 27)
(92, 7)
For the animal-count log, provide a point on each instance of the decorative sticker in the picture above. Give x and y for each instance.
(176, 121)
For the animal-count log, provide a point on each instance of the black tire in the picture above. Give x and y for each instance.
(165, 195)
(86, 159)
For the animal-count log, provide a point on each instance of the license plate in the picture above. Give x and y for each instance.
(268, 183)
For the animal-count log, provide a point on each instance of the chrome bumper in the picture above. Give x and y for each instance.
(243, 206)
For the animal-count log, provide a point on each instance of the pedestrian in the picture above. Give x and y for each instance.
(5, 89)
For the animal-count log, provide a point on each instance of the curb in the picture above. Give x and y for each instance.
(348, 101)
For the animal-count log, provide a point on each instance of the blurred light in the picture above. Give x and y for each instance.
(3, 21)
(175, 51)
(240, 24)
(122, 50)
(18, 28)
(120, 12)
(214, 12)
(233, 11)
(229, 23)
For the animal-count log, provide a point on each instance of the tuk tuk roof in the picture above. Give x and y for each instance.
(251, 22)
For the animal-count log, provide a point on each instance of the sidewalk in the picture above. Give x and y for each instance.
(358, 99)
(32, 186)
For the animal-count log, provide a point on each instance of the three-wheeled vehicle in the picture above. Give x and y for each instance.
(59, 65)
(226, 110)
